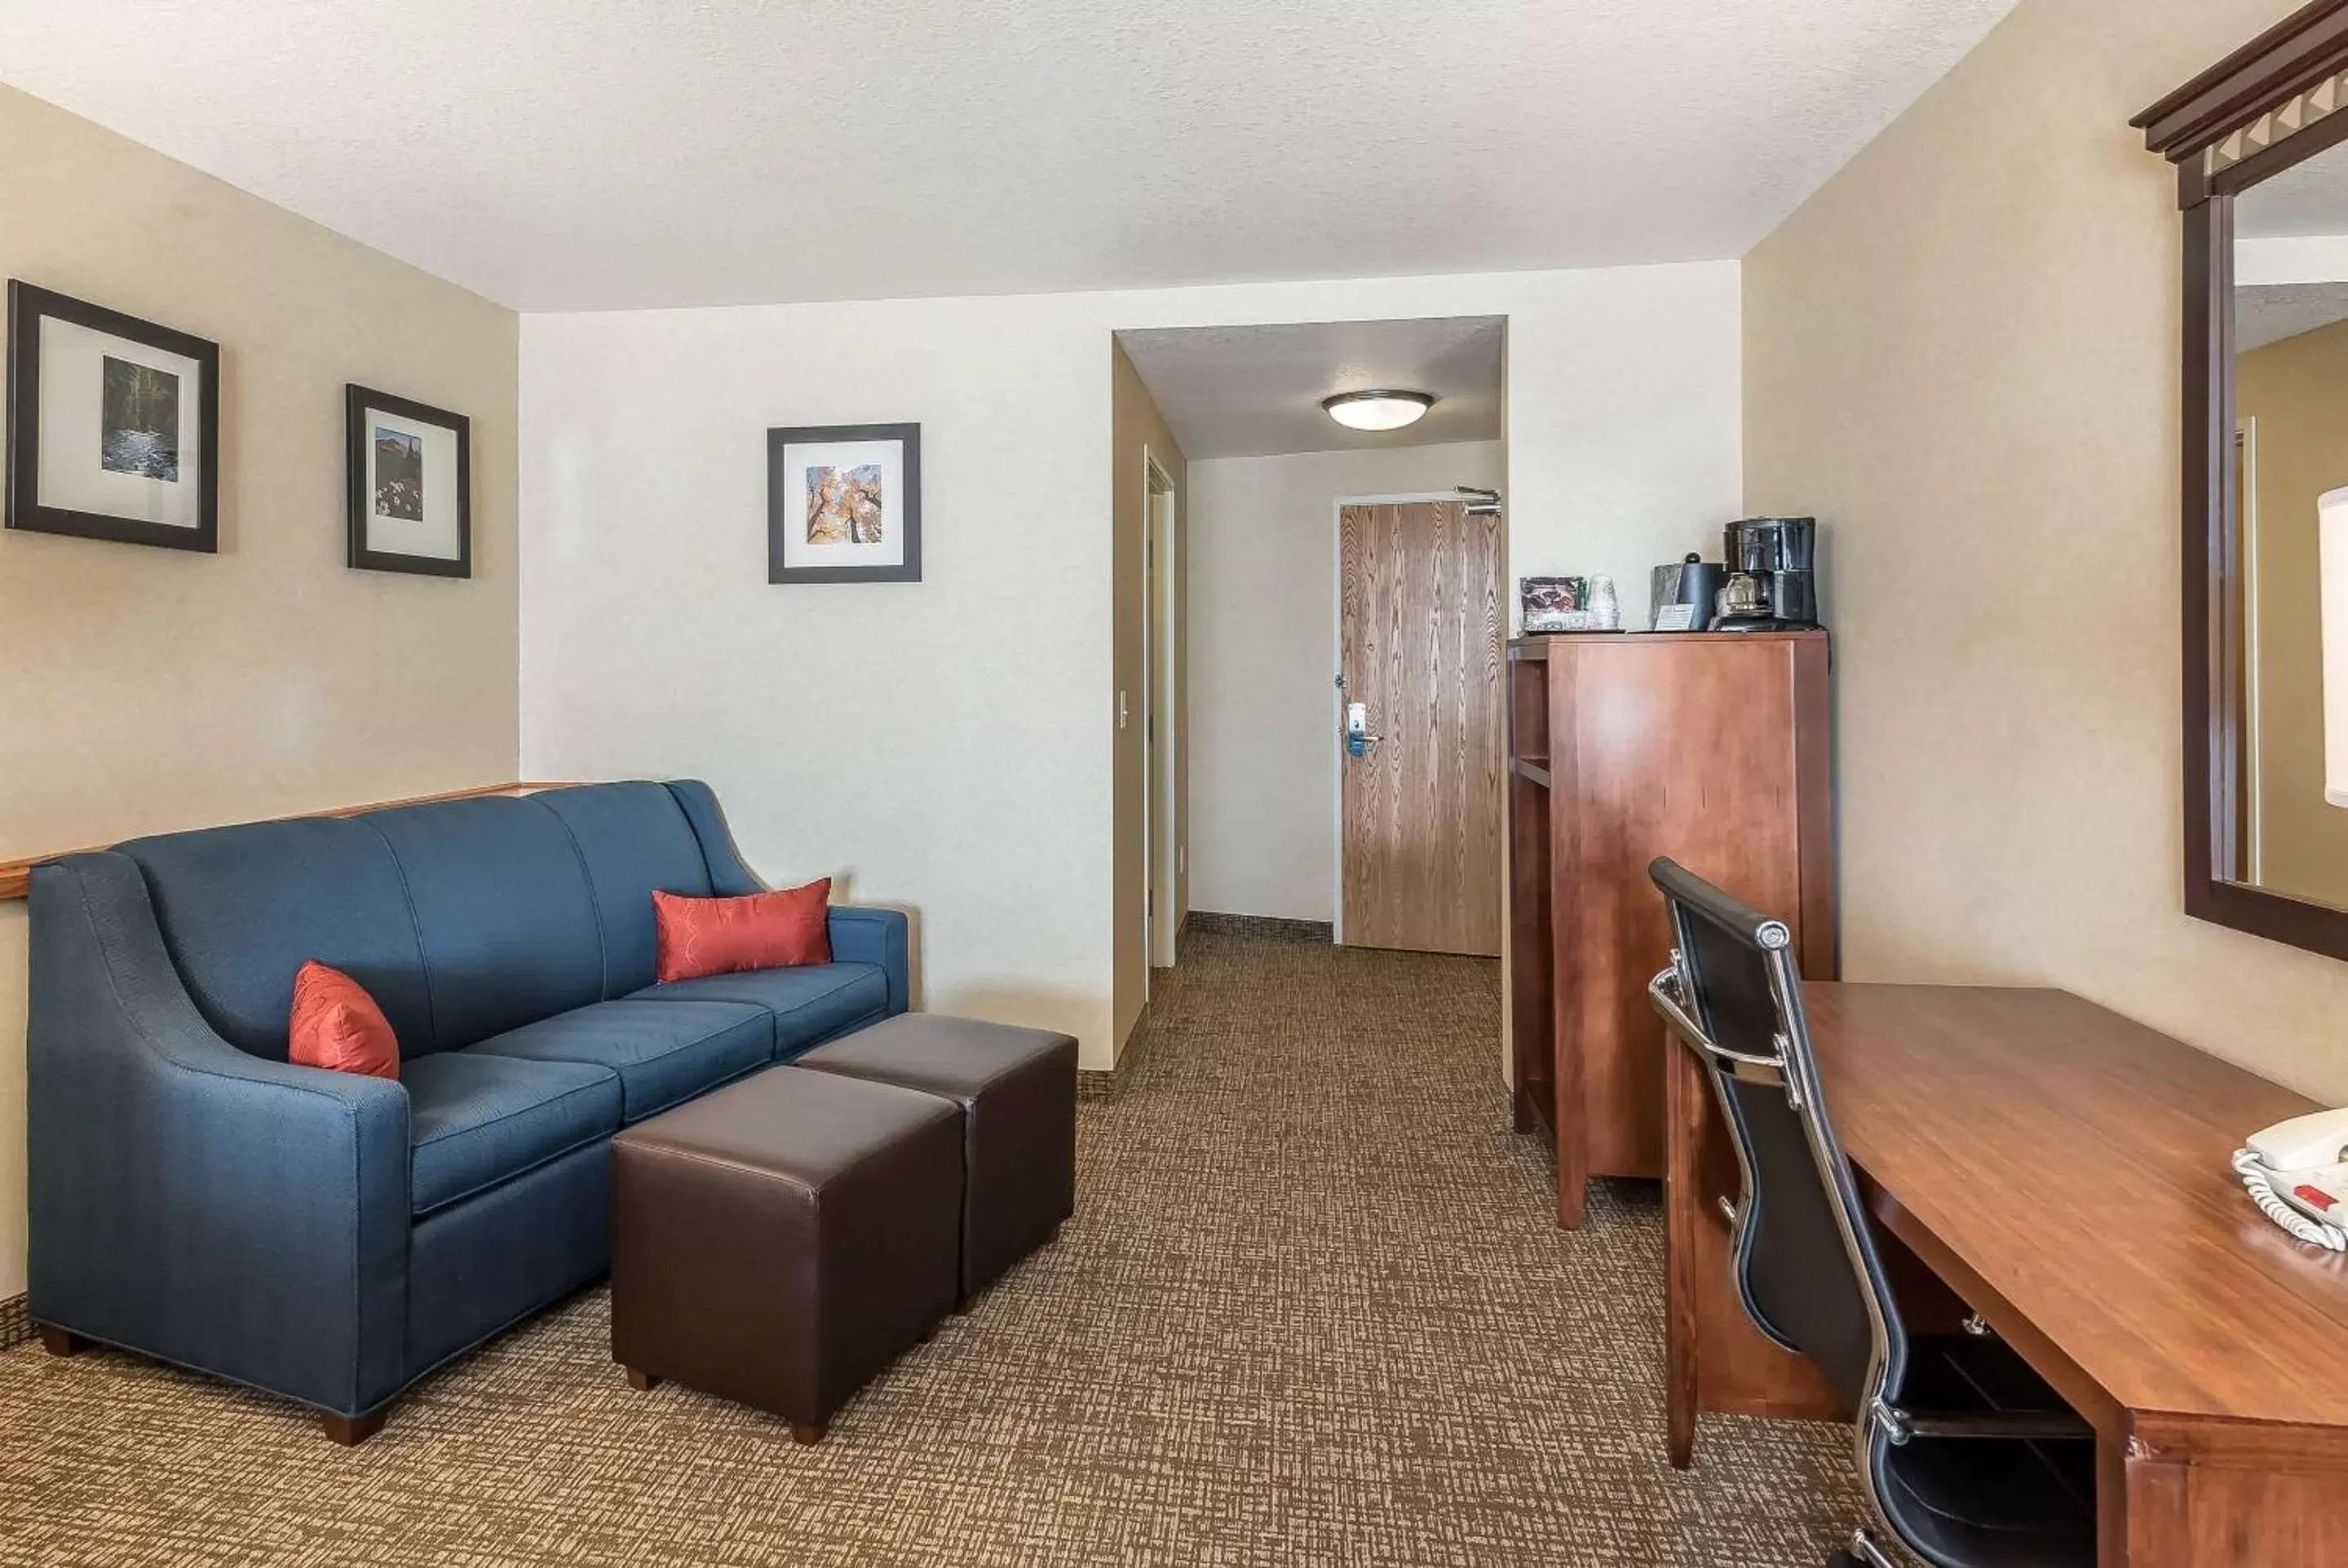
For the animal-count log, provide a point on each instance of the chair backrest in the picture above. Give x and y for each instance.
(1804, 1258)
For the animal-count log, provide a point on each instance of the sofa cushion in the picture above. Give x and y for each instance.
(336, 1025)
(476, 1121)
(242, 908)
(783, 930)
(811, 1004)
(503, 911)
(634, 839)
(664, 1051)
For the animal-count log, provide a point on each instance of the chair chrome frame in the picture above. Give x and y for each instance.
(1668, 991)
(1793, 1066)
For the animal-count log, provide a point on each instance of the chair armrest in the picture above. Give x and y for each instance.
(863, 935)
(217, 1209)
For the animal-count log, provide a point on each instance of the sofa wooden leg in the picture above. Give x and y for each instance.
(61, 1341)
(351, 1431)
(810, 1432)
(642, 1380)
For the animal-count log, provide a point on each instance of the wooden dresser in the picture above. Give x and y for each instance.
(1713, 748)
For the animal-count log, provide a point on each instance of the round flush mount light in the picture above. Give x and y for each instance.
(1382, 410)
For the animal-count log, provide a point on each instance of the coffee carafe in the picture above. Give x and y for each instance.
(1772, 584)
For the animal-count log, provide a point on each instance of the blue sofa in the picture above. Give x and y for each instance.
(334, 1237)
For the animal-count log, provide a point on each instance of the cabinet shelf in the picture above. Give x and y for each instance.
(1533, 768)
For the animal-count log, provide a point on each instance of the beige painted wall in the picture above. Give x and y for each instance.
(1136, 426)
(152, 688)
(1263, 634)
(2296, 393)
(1962, 354)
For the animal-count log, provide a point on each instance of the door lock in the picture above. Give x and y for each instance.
(1358, 739)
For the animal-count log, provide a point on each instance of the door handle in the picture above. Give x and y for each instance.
(1358, 739)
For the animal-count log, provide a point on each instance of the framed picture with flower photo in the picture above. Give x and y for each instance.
(844, 503)
(113, 425)
(411, 478)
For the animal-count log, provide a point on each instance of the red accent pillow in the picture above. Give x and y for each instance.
(757, 931)
(336, 1024)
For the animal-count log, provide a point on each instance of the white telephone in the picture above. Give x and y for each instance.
(2297, 1171)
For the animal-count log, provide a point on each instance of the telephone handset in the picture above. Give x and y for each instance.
(2297, 1171)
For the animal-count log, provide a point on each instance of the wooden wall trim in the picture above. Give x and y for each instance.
(2303, 48)
(17, 875)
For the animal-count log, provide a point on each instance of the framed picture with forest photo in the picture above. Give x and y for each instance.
(411, 473)
(113, 425)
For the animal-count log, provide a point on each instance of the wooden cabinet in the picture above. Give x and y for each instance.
(1713, 748)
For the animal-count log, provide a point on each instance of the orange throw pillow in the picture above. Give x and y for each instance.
(336, 1025)
(758, 931)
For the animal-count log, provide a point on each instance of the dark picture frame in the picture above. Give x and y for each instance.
(29, 306)
(2205, 129)
(787, 503)
(359, 402)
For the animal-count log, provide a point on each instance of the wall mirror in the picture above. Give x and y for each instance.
(2261, 145)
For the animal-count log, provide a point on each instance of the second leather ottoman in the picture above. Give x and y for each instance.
(1017, 1089)
(780, 1241)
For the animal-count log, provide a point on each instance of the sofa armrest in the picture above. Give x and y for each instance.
(862, 935)
(230, 1213)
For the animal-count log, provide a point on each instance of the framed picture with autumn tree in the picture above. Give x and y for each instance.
(844, 503)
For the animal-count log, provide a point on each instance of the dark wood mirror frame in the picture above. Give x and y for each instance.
(2275, 102)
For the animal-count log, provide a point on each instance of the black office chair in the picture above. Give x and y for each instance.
(1966, 1456)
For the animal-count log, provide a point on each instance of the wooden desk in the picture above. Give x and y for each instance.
(2064, 1172)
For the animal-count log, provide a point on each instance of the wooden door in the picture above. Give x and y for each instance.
(1420, 624)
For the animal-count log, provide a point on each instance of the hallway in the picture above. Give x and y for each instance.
(1312, 1310)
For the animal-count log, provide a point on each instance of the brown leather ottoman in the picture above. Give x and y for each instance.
(782, 1241)
(1017, 1089)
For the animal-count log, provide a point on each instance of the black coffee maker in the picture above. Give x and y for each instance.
(1772, 583)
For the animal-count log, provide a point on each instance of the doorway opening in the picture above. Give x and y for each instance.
(1230, 459)
(1266, 466)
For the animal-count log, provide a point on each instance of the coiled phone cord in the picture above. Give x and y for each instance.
(2255, 1176)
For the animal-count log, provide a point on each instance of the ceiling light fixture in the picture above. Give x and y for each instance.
(1377, 410)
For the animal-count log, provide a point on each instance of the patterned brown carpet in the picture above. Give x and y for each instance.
(1312, 1310)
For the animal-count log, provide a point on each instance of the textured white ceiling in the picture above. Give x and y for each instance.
(2306, 199)
(2277, 310)
(2293, 212)
(564, 154)
(1251, 392)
